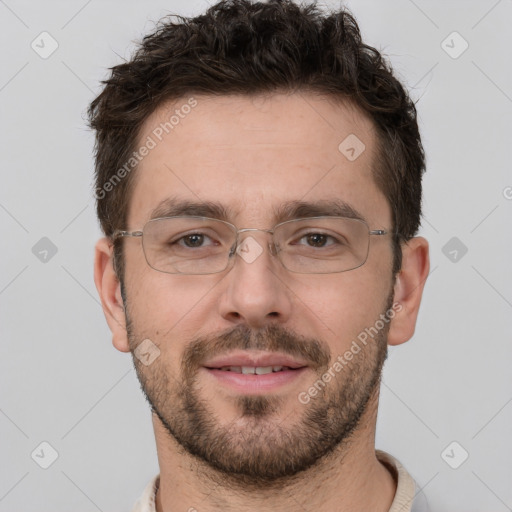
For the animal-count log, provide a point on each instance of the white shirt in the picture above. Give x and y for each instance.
(408, 497)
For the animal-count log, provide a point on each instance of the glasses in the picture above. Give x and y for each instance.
(200, 245)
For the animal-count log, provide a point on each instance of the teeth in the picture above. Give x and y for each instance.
(262, 370)
(253, 370)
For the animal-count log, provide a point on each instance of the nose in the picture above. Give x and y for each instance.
(255, 292)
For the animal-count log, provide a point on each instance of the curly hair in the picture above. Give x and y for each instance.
(244, 47)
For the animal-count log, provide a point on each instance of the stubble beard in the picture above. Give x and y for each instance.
(260, 449)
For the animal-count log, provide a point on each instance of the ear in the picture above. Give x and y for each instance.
(109, 289)
(408, 289)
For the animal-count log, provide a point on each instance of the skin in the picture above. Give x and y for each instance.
(261, 152)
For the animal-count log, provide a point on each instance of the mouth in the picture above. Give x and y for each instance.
(267, 361)
(255, 373)
(254, 370)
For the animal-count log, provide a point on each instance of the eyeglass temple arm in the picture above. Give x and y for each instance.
(118, 234)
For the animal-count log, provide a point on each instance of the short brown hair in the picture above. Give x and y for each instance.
(244, 47)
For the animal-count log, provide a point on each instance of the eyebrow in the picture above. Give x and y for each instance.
(176, 207)
(320, 208)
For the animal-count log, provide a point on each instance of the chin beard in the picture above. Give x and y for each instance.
(259, 449)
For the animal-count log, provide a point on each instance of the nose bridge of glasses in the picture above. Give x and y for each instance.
(243, 230)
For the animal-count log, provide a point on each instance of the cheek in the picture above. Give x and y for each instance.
(167, 308)
(343, 306)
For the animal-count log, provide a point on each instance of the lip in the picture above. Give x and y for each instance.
(255, 384)
(255, 359)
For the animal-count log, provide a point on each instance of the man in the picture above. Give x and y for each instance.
(258, 177)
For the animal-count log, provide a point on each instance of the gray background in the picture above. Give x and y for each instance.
(62, 381)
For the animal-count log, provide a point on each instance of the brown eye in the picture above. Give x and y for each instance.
(194, 240)
(317, 240)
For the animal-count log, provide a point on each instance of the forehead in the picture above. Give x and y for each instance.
(251, 154)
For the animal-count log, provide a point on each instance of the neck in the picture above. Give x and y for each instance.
(350, 478)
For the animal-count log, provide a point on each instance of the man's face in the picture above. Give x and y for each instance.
(252, 156)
